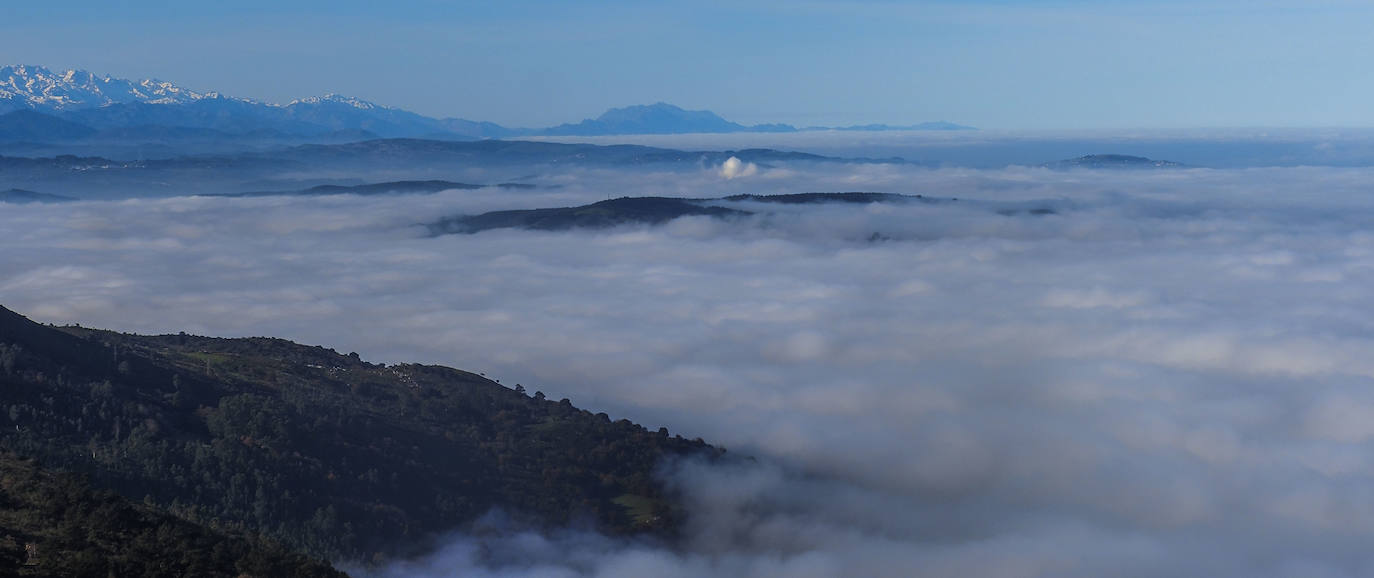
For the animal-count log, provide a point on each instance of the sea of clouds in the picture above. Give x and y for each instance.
(1171, 374)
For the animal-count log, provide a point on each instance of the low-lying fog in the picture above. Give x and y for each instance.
(1171, 376)
(1216, 148)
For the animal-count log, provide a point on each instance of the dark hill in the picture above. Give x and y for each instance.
(1111, 161)
(323, 452)
(645, 211)
(610, 213)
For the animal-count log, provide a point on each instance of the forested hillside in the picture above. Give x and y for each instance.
(56, 525)
(323, 452)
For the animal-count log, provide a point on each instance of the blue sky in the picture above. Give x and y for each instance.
(994, 64)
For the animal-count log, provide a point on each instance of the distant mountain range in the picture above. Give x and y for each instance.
(659, 118)
(383, 188)
(40, 105)
(407, 163)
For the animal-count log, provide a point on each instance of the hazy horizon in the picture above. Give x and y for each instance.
(1069, 64)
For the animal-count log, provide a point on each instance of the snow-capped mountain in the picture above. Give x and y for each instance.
(108, 104)
(41, 89)
(332, 98)
(62, 106)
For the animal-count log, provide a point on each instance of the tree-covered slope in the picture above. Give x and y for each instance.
(649, 211)
(55, 524)
(603, 214)
(323, 452)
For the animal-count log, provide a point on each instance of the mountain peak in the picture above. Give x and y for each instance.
(335, 98)
(39, 88)
(657, 118)
(659, 110)
(657, 107)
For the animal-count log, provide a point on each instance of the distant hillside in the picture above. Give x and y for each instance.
(386, 188)
(648, 211)
(659, 118)
(323, 452)
(627, 210)
(21, 196)
(29, 125)
(659, 210)
(664, 118)
(1112, 161)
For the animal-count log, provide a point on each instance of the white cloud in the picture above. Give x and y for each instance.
(734, 168)
(1168, 376)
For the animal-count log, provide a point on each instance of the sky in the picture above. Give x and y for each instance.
(1001, 64)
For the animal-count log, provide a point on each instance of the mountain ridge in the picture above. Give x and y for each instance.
(104, 102)
(45, 89)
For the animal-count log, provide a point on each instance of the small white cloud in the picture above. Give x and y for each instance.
(734, 168)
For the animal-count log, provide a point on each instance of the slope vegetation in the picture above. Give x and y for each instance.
(323, 452)
(57, 525)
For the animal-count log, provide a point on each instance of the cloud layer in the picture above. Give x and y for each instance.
(1167, 376)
